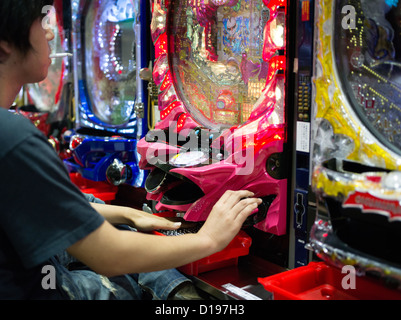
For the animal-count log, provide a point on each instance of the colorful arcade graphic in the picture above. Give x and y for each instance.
(109, 50)
(357, 145)
(220, 67)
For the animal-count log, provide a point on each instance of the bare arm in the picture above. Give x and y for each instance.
(138, 219)
(113, 252)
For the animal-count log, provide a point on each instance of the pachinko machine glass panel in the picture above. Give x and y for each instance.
(357, 146)
(109, 95)
(220, 67)
(47, 103)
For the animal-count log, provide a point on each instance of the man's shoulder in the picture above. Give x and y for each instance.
(14, 129)
(9, 120)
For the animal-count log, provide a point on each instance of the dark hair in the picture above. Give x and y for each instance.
(16, 19)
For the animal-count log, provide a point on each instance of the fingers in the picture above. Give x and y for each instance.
(172, 223)
(169, 226)
(151, 222)
(234, 196)
(166, 224)
(238, 205)
(227, 216)
(245, 208)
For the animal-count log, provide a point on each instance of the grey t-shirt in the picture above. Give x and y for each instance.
(41, 211)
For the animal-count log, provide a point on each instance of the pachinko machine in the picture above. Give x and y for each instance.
(356, 135)
(110, 47)
(221, 72)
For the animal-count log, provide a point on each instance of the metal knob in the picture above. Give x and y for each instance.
(117, 172)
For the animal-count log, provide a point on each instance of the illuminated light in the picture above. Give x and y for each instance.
(165, 112)
(181, 121)
(278, 93)
(276, 63)
(110, 64)
(75, 142)
(166, 82)
(277, 35)
(274, 35)
(121, 11)
(161, 45)
(262, 135)
(249, 144)
(274, 5)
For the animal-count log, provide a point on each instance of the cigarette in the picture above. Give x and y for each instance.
(60, 55)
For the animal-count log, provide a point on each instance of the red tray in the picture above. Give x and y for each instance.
(318, 281)
(239, 246)
(102, 190)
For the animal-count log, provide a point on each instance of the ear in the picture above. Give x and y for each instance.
(5, 50)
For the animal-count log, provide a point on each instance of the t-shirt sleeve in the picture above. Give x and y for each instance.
(43, 213)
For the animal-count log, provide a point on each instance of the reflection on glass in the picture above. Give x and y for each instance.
(110, 59)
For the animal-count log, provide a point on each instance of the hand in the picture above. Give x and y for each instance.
(227, 216)
(146, 222)
(138, 219)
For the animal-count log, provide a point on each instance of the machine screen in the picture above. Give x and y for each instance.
(368, 56)
(216, 57)
(110, 61)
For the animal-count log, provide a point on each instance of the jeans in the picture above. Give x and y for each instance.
(85, 284)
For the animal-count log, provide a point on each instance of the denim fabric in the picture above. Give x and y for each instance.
(91, 198)
(84, 284)
(161, 283)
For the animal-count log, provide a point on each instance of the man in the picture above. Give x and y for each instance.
(42, 213)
